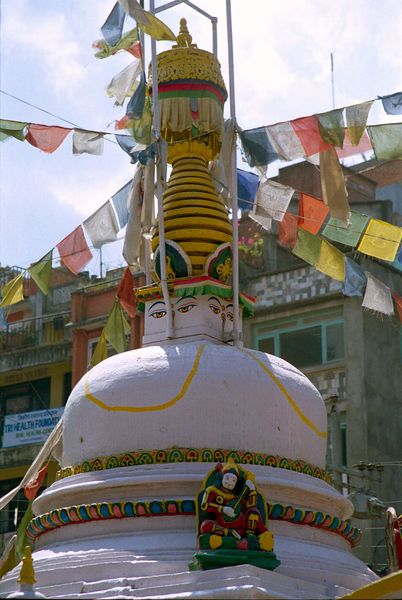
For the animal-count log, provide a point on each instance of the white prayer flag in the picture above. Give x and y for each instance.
(102, 226)
(285, 141)
(124, 83)
(89, 142)
(132, 239)
(378, 296)
(272, 199)
(262, 219)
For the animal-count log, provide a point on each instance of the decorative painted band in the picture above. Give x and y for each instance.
(85, 513)
(203, 455)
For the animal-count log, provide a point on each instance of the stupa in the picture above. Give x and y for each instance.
(143, 429)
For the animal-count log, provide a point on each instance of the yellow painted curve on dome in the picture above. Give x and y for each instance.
(164, 405)
(288, 397)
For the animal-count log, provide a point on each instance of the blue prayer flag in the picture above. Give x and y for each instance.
(119, 201)
(112, 28)
(247, 186)
(257, 147)
(392, 104)
(355, 279)
(135, 107)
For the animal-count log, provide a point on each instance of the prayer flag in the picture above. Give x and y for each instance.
(398, 304)
(41, 272)
(332, 127)
(312, 213)
(119, 201)
(141, 128)
(16, 129)
(87, 142)
(308, 132)
(274, 198)
(378, 296)
(381, 240)
(221, 168)
(117, 328)
(333, 185)
(386, 140)
(129, 42)
(112, 28)
(22, 538)
(46, 137)
(74, 251)
(355, 279)
(33, 485)
(102, 226)
(260, 216)
(147, 209)
(132, 239)
(392, 104)
(135, 107)
(285, 141)
(356, 118)
(247, 186)
(126, 143)
(335, 229)
(288, 230)
(330, 261)
(397, 263)
(147, 22)
(13, 291)
(257, 147)
(349, 149)
(124, 83)
(100, 352)
(307, 247)
(8, 559)
(125, 292)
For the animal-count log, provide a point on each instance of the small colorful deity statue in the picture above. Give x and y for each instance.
(232, 521)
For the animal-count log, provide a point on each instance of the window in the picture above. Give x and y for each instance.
(344, 451)
(25, 397)
(67, 385)
(305, 341)
(12, 514)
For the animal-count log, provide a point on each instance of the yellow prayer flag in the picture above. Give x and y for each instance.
(100, 352)
(117, 328)
(147, 22)
(8, 559)
(12, 292)
(381, 240)
(331, 261)
(41, 272)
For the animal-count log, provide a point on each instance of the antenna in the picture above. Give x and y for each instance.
(332, 80)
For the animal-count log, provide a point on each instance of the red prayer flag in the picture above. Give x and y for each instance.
(125, 292)
(398, 304)
(349, 150)
(288, 230)
(312, 213)
(74, 251)
(31, 488)
(46, 137)
(308, 132)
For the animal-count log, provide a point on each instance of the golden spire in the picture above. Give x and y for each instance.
(27, 574)
(184, 38)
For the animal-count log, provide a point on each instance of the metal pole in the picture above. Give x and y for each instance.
(161, 219)
(235, 243)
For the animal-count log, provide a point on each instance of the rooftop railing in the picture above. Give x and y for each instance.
(40, 331)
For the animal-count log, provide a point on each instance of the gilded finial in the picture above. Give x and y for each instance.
(184, 38)
(27, 574)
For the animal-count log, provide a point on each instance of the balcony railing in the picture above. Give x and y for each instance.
(41, 331)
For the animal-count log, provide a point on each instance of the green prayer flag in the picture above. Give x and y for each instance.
(332, 127)
(127, 40)
(141, 128)
(13, 291)
(41, 272)
(22, 539)
(14, 129)
(100, 352)
(307, 246)
(336, 231)
(117, 327)
(386, 140)
(356, 118)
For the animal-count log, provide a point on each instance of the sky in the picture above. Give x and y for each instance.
(282, 70)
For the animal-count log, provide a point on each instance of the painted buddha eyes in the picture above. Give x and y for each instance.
(186, 308)
(158, 314)
(215, 309)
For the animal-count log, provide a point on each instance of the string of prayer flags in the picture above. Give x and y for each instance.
(87, 142)
(125, 83)
(273, 198)
(101, 226)
(74, 251)
(355, 279)
(333, 185)
(356, 119)
(386, 140)
(117, 328)
(378, 296)
(15, 129)
(128, 42)
(257, 147)
(125, 292)
(41, 272)
(332, 127)
(288, 230)
(307, 247)
(312, 213)
(308, 131)
(100, 352)
(392, 103)
(381, 240)
(336, 231)
(398, 304)
(13, 291)
(331, 261)
(247, 186)
(119, 201)
(112, 28)
(348, 149)
(285, 141)
(147, 22)
(46, 137)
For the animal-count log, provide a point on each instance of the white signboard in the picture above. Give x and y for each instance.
(30, 428)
